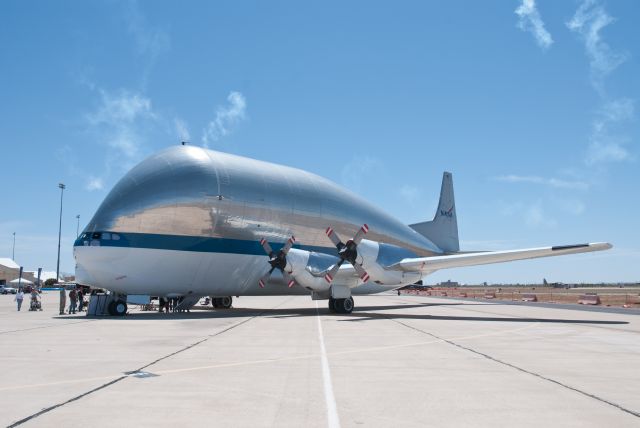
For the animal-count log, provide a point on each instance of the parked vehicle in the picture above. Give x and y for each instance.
(5, 289)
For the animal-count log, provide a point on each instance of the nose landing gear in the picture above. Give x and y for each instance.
(117, 308)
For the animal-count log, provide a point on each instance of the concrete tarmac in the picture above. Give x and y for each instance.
(279, 361)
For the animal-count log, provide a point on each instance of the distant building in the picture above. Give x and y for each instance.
(9, 270)
(449, 283)
(44, 275)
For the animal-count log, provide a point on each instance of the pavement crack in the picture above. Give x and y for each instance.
(46, 326)
(132, 372)
(520, 369)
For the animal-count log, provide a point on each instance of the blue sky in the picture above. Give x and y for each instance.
(531, 105)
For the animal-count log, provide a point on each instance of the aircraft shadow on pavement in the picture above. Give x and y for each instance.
(244, 312)
(363, 316)
(361, 313)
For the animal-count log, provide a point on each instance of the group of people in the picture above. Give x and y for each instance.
(35, 298)
(171, 304)
(76, 301)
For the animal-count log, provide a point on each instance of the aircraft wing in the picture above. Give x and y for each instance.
(430, 264)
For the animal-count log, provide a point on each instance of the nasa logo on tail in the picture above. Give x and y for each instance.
(447, 213)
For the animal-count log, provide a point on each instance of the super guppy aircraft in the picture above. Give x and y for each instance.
(193, 222)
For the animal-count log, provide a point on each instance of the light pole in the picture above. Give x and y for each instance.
(78, 226)
(13, 251)
(62, 292)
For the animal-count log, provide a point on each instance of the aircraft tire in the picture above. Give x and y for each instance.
(225, 302)
(222, 302)
(117, 308)
(344, 306)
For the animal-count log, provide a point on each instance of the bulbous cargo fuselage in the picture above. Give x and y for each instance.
(189, 219)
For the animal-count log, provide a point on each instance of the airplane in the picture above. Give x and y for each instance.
(191, 222)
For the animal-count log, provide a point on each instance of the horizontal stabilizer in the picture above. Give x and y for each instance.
(430, 264)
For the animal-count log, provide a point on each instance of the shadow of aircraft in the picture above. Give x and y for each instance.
(362, 313)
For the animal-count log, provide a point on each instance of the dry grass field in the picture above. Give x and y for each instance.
(628, 297)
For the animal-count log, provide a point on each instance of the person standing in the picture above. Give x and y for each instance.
(80, 300)
(73, 295)
(63, 300)
(19, 297)
(34, 300)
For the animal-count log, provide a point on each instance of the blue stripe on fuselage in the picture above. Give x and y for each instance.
(194, 243)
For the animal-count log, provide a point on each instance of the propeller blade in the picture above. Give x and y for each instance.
(334, 237)
(265, 278)
(288, 279)
(288, 245)
(364, 276)
(360, 234)
(332, 273)
(266, 247)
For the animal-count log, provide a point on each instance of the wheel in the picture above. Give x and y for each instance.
(343, 306)
(347, 305)
(222, 302)
(332, 305)
(117, 308)
(225, 302)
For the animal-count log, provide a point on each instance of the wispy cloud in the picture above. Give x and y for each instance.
(607, 140)
(150, 42)
(182, 130)
(535, 216)
(606, 143)
(94, 183)
(227, 118)
(532, 214)
(530, 20)
(117, 120)
(588, 21)
(552, 182)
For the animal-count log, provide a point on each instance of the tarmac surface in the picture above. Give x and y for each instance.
(280, 361)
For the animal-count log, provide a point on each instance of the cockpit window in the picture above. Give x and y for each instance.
(106, 236)
(115, 236)
(96, 235)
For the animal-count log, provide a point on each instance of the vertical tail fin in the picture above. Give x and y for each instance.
(443, 229)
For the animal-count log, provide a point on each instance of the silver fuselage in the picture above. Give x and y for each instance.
(189, 219)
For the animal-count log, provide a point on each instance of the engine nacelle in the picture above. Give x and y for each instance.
(369, 255)
(299, 268)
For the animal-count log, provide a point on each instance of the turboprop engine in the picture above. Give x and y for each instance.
(294, 264)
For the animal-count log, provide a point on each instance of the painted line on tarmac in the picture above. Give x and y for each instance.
(272, 360)
(333, 421)
(513, 366)
(131, 373)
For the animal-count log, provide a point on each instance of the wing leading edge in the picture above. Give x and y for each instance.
(430, 264)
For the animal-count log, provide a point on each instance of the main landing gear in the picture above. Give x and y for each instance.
(222, 302)
(341, 306)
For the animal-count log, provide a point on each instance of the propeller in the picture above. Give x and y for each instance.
(347, 252)
(277, 261)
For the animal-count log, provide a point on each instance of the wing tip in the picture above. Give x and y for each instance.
(601, 245)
